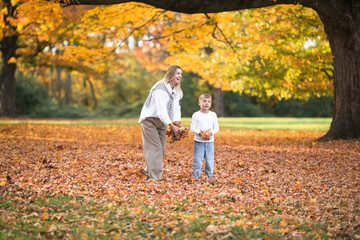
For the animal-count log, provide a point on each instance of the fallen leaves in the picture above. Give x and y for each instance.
(212, 229)
(269, 181)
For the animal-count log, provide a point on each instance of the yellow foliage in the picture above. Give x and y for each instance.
(12, 60)
(4, 11)
(260, 52)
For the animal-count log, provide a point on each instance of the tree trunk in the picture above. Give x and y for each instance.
(68, 89)
(58, 84)
(8, 107)
(344, 37)
(92, 93)
(8, 49)
(52, 82)
(219, 102)
(218, 99)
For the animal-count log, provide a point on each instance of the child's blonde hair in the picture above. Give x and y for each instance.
(204, 95)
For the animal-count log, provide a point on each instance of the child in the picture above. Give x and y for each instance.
(204, 124)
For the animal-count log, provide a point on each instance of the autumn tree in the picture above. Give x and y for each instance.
(268, 54)
(284, 55)
(27, 30)
(342, 37)
(59, 41)
(41, 35)
(341, 23)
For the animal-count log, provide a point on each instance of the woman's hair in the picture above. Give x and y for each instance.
(169, 75)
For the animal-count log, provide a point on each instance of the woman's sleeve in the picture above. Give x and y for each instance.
(193, 127)
(215, 124)
(161, 110)
(177, 110)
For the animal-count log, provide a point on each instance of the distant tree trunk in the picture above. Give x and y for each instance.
(344, 38)
(52, 81)
(92, 93)
(68, 89)
(219, 102)
(58, 84)
(218, 99)
(7, 75)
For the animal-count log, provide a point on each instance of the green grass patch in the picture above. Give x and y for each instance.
(297, 124)
(61, 216)
(126, 122)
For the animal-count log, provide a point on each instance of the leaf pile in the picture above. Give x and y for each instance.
(267, 184)
(206, 134)
(184, 131)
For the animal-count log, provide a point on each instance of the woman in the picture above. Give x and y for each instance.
(160, 109)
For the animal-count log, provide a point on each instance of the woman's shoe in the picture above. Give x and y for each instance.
(143, 171)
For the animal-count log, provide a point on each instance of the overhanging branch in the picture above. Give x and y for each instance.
(199, 6)
(226, 41)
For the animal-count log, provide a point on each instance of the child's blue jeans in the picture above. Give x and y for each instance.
(203, 150)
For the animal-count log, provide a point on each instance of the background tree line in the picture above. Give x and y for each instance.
(120, 98)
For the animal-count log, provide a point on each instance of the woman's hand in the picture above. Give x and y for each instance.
(175, 129)
(177, 123)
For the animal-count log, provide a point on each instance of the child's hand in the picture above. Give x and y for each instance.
(206, 134)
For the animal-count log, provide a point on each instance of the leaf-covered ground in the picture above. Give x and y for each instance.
(83, 181)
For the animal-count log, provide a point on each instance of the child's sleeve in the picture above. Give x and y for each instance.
(215, 124)
(193, 126)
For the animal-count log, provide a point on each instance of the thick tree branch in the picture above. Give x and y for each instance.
(201, 6)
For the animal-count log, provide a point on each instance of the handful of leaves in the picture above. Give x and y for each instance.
(206, 134)
(183, 132)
